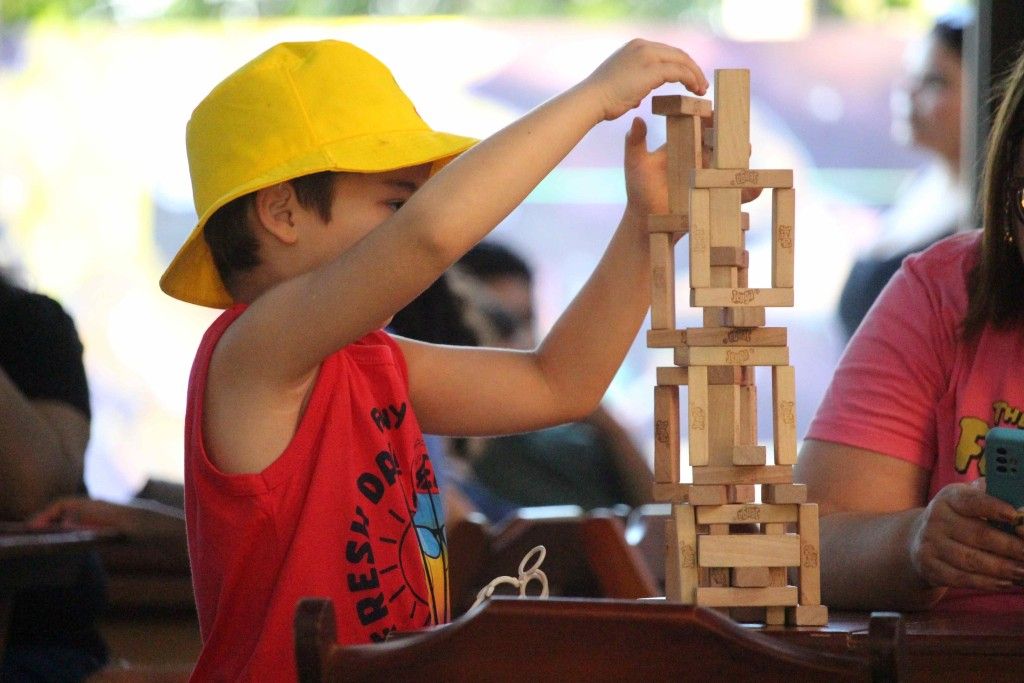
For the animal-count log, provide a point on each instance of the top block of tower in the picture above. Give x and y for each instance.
(732, 119)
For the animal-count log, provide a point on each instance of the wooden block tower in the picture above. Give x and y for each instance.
(725, 550)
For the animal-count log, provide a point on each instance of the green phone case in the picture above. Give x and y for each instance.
(1004, 466)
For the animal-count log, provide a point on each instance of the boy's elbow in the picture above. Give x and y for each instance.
(579, 405)
(434, 242)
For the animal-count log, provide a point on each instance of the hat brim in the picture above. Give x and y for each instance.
(192, 275)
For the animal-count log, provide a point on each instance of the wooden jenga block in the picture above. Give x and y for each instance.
(783, 237)
(809, 572)
(747, 514)
(747, 597)
(672, 376)
(741, 317)
(742, 493)
(775, 616)
(709, 495)
(783, 494)
(697, 401)
(714, 316)
(714, 178)
(672, 560)
(692, 356)
(776, 576)
(724, 204)
(743, 278)
(723, 432)
(684, 156)
(744, 220)
(749, 577)
(748, 415)
(734, 336)
(725, 234)
(732, 119)
(673, 224)
(666, 434)
(741, 297)
(741, 375)
(666, 339)
(784, 413)
(681, 568)
(680, 105)
(750, 474)
(663, 282)
(700, 238)
(749, 550)
(667, 492)
(714, 576)
(807, 615)
(730, 256)
(749, 455)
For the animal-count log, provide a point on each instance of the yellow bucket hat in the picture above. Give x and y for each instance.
(296, 109)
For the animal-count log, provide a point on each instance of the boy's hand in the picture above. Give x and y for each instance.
(637, 68)
(646, 173)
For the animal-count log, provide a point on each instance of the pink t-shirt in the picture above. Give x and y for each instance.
(909, 387)
(349, 511)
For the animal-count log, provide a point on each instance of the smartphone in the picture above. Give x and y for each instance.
(1004, 467)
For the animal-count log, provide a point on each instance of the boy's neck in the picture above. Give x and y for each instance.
(252, 285)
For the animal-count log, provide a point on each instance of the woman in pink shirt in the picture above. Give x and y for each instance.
(894, 453)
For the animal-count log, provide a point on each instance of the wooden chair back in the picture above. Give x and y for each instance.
(587, 555)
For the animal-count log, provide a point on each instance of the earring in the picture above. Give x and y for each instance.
(1008, 237)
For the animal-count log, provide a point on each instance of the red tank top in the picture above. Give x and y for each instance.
(349, 511)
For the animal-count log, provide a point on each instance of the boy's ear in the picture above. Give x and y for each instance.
(275, 211)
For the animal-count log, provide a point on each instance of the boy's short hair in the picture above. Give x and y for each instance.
(295, 110)
(229, 231)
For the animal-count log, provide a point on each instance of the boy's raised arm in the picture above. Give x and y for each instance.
(318, 312)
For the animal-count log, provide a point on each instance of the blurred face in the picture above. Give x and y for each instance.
(514, 295)
(934, 89)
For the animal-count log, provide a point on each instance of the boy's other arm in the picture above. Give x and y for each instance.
(460, 391)
(882, 547)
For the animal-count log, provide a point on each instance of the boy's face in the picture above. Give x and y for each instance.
(362, 201)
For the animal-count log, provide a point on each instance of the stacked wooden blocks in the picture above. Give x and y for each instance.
(725, 550)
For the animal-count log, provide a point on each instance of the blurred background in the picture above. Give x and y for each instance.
(95, 195)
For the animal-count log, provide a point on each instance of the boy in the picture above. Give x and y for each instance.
(305, 469)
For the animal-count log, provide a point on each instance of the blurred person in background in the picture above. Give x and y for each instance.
(593, 463)
(934, 203)
(44, 429)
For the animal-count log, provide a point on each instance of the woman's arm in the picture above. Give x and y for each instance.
(882, 547)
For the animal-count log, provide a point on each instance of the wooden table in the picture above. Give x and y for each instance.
(32, 557)
(932, 646)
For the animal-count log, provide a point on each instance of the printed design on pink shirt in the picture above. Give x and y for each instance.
(971, 445)
(397, 543)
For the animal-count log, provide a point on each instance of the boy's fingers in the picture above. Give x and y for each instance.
(636, 139)
(675, 72)
(681, 58)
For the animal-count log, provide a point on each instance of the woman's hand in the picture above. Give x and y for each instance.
(954, 545)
